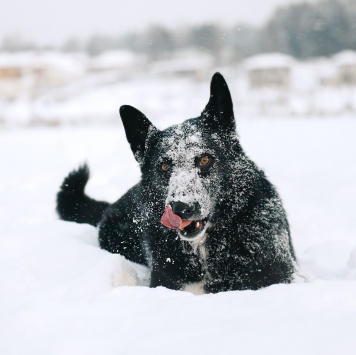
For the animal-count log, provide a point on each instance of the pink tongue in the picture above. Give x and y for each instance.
(170, 220)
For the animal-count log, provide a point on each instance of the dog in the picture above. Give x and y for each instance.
(203, 215)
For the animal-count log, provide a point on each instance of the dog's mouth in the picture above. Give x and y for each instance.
(187, 229)
(192, 229)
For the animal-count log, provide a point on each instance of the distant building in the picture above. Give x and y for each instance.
(272, 70)
(8, 72)
(27, 72)
(186, 63)
(13, 70)
(346, 65)
(116, 60)
(327, 73)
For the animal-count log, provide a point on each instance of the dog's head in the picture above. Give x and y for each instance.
(188, 164)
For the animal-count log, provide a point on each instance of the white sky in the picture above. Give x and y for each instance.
(53, 21)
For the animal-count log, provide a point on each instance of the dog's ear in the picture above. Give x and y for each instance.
(137, 127)
(219, 113)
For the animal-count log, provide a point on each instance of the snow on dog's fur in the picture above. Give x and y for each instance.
(203, 215)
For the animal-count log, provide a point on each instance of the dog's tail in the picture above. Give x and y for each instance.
(72, 203)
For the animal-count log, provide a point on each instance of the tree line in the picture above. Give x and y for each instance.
(303, 30)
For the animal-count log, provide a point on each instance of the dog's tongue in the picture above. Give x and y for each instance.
(170, 220)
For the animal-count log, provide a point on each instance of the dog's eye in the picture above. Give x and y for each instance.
(204, 161)
(165, 167)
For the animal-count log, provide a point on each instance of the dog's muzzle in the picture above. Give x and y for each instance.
(180, 217)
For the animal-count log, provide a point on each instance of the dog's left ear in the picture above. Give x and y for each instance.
(137, 127)
(219, 113)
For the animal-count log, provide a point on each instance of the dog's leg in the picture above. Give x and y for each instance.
(120, 232)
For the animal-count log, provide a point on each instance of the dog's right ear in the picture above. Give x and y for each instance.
(137, 127)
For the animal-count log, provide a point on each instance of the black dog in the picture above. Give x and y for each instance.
(202, 214)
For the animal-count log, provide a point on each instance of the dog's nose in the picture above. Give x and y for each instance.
(183, 210)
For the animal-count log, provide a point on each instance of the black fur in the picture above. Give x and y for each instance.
(246, 244)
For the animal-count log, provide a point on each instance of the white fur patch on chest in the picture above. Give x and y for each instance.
(196, 288)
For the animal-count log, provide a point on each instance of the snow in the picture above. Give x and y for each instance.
(98, 100)
(61, 294)
(22, 59)
(115, 59)
(269, 61)
(347, 57)
(184, 62)
(183, 149)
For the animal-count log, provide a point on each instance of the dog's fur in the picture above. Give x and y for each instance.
(245, 240)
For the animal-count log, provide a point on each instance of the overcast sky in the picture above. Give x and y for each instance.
(53, 21)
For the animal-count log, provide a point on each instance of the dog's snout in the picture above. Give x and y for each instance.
(183, 210)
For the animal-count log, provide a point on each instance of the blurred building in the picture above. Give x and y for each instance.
(27, 73)
(272, 70)
(116, 60)
(326, 71)
(189, 63)
(55, 87)
(346, 66)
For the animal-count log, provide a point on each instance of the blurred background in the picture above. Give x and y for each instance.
(76, 62)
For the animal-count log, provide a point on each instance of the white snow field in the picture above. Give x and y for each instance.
(61, 294)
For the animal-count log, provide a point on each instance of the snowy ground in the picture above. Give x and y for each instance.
(61, 294)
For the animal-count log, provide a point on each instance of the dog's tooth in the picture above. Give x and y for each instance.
(197, 224)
